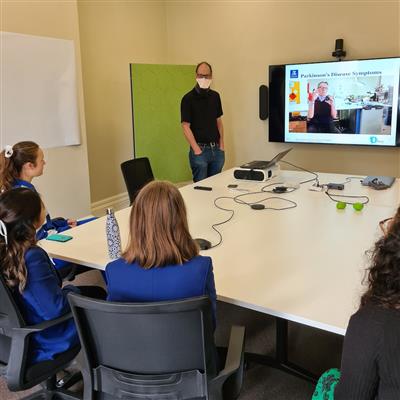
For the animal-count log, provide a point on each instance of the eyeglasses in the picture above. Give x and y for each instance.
(385, 225)
(208, 76)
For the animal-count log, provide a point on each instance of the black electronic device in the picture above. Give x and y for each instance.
(208, 188)
(204, 244)
(365, 94)
(257, 206)
(335, 186)
(263, 102)
(280, 189)
(339, 53)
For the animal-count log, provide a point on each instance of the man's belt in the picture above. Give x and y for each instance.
(210, 144)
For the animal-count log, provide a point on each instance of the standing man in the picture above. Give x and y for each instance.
(201, 113)
(321, 111)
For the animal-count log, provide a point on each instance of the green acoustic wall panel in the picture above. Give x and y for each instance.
(157, 91)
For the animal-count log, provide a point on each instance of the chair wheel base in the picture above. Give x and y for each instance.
(52, 395)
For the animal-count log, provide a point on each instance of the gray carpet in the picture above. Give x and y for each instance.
(6, 395)
(310, 348)
(313, 349)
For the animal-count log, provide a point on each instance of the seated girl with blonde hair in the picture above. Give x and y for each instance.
(161, 260)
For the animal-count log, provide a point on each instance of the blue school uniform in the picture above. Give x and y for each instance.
(43, 299)
(132, 283)
(58, 224)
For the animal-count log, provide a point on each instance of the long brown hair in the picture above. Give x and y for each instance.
(159, 233)
(383, 276)
(20, 210)
(11, 167)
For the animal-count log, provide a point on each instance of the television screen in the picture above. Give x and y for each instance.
(346, 102)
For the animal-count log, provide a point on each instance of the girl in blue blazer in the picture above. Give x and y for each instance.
(30, 274)
(161, 261)
(19, 165)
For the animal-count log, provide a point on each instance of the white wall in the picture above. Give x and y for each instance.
(65, 184)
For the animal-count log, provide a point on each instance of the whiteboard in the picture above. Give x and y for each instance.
(39, 98)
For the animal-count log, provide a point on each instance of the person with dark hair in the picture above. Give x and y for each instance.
(370, 368)
(29, 273)
(19, 165)
(321, 111)
(201, 118)
(161, 261)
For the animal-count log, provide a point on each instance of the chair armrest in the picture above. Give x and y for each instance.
(26, 330)
(18, 356)
(4, 322)
(234, 357)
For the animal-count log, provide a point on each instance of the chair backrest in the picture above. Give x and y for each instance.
(136, 173)
(150, 349)
(10, 317)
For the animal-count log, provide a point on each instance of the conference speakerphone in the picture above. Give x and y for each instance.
(259, 170)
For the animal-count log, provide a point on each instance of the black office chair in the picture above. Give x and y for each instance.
(14, 348)
(154, 351)
(137, 173)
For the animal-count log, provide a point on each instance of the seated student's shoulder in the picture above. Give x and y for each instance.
(39, 265)
(202, 262)
(119, 262)
(120, 267)
(375, 316)
(36, 254)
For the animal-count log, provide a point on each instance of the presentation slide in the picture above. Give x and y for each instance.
(347, 102)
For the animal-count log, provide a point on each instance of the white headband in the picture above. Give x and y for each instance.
(8, 151)
(3, 231)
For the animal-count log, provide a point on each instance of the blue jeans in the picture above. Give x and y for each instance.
(208, 163)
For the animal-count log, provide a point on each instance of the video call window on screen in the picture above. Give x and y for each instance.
(348, 102)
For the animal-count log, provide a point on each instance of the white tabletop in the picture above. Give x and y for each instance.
(304, 264)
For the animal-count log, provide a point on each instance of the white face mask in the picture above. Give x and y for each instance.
(204, 83)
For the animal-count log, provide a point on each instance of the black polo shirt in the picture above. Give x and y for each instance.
(201, 109)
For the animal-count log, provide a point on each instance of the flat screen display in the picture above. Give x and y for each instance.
(346, 102)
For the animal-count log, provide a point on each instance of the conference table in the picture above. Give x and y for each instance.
(304, 264)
